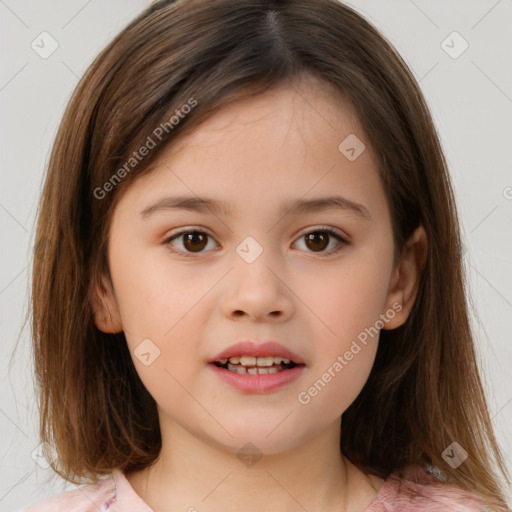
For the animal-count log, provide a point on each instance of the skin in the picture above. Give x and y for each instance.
(256, 154)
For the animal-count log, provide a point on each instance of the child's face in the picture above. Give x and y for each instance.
(256, 156)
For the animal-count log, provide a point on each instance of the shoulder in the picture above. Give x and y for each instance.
(87, 498)
(419, 490)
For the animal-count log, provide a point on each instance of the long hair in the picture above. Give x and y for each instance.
(424, 391)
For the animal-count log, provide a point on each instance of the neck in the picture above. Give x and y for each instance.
(196, 474)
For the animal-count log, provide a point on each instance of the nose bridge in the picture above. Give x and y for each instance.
(253, 262)
(256, 286)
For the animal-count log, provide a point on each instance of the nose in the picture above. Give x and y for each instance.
(258, 292)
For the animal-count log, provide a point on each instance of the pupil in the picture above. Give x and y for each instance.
(192, 238)
(313, 237)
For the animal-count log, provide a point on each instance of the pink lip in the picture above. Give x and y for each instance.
(250, 348)
(258, 383)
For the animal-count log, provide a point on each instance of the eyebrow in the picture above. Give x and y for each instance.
(205, 204)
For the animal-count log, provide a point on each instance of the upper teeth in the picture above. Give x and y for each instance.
(253, 361)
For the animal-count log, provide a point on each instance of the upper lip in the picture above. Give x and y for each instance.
(257, 349)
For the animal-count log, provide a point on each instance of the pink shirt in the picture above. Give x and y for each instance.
(115, 494)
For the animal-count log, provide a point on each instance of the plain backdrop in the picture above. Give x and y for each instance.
(470, 96)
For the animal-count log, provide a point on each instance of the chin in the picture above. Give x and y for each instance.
(256, 440)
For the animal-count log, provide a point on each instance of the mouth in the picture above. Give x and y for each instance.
(251, 365)
(262, 374)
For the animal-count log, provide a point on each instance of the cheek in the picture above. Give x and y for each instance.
(335, 386)
(349, 303)
(162, 332)
(349, 299)
(345, 350)
(153, 294)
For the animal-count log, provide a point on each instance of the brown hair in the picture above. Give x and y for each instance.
(424, 390)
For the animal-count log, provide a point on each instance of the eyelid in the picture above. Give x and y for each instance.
(329, 229)
(302, 232)
(185, 230)
(343, 239)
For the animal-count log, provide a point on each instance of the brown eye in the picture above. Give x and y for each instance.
(196, 242)
(317, 241)
(193, 242)
(320, 239)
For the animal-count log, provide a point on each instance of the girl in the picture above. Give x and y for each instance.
(248, 291)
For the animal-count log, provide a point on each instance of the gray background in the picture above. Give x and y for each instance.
(471, 101)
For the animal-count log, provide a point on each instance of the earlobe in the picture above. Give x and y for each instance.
(406, 278)
(106, 313)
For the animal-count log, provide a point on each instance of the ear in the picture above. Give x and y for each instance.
(104, 305)
(406, 277)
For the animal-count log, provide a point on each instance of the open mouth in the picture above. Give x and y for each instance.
(251, 365)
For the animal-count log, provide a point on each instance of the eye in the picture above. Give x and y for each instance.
(193, 241)
(319, 240)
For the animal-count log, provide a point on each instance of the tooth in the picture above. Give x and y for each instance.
(237, 369)
(263, 361)
(248, 360)
(254, 370)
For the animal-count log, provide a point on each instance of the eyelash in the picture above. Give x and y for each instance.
(323, 229)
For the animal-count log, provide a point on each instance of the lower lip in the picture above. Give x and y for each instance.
(258, 383)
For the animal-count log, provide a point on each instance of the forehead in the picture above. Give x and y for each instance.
(308, 100)
(276, 147)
